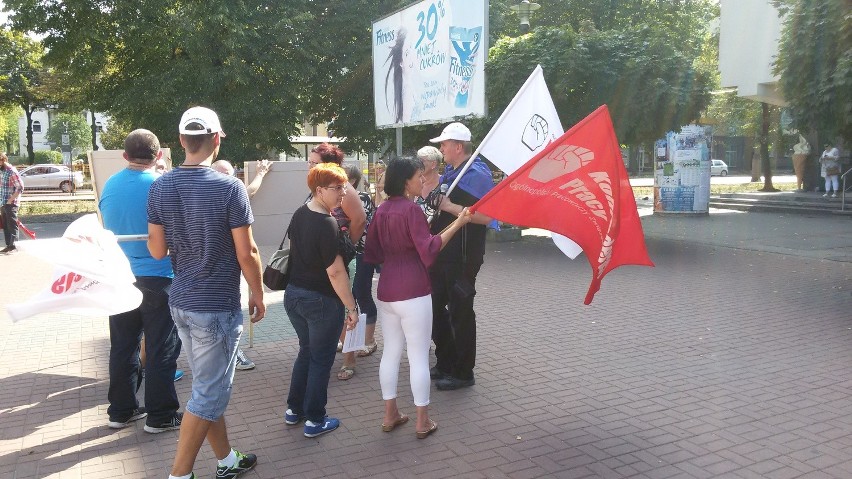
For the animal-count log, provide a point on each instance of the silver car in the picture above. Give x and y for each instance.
(51, 177)
(718, 167)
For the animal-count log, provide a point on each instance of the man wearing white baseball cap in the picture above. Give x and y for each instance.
(202, 219)
(454, 273)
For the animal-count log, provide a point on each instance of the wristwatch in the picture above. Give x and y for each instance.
(346, 310)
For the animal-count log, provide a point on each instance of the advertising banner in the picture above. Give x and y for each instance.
(682, 172)
(429, 62)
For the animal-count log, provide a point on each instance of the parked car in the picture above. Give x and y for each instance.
(718, 167)
(48, 177)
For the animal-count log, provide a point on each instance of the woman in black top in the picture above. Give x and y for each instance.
(318, 300)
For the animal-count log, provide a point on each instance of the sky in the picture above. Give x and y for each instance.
(3, 15)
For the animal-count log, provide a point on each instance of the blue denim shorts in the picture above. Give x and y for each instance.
(210, 341)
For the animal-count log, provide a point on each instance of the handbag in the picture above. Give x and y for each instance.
(832, 170)
(277, 272)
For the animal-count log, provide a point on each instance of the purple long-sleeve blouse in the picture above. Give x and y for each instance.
(398, 238)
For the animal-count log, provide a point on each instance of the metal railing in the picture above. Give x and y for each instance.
(843, 190)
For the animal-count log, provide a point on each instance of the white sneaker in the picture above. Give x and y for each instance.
(834, 195)
(243, 362)
(825, 195)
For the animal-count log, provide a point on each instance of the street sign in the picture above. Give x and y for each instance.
(66, 140)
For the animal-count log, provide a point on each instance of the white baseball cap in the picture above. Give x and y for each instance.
(453, 131)
(204, 121)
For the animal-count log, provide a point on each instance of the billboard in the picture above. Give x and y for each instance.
(429, 62)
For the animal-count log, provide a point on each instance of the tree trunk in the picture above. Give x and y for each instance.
(765, 163)
(28, 112)
(94, 132)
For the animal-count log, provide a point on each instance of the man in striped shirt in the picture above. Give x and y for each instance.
(202, 220)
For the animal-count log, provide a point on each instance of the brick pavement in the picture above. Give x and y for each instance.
(731, 358)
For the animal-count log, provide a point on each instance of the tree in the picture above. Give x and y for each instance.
(9, 128)
(815, 65)
(650, 85)
(258, 64)
(75, 126)
(21, 77)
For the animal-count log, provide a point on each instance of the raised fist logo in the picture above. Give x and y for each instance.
(562, 160)
(535, 133)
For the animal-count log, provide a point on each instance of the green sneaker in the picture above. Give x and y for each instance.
(245, 462)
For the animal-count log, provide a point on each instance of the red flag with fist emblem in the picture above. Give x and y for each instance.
(577, 187)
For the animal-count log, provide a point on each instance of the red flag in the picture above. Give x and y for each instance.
(577, 187)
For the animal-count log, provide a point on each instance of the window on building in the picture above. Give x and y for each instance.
(36, 126)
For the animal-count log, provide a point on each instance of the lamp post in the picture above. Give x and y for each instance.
(524, 8)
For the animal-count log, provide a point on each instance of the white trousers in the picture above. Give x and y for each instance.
(407, 324)
(832, 180)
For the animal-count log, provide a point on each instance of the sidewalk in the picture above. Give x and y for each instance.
(730, 358)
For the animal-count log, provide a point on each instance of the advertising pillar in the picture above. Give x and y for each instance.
(682, 172)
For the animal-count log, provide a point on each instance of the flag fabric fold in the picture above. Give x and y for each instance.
(528, 124)
(91, 274)
(577, 186)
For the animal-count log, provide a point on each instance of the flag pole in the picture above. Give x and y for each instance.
(494, 128)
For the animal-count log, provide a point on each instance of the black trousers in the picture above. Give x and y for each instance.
(162, 347)
(10, 224)
(453, 317)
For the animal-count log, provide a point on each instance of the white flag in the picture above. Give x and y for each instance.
(91, 274)
(526, 127)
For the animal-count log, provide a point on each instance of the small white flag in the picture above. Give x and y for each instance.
(91, 274)
(526, 127)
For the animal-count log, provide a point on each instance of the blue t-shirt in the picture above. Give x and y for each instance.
(122, 206)
(198, 208)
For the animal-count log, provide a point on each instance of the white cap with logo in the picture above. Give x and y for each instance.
(453, 131)
(204, 121)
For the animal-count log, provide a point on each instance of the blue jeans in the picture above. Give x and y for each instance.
(362, 289)
(162, 347)
(211, 340)
(318, 321)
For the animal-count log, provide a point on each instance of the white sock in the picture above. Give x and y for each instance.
(229, 460)
(188, 476)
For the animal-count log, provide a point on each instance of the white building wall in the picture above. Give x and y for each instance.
(39, 138)
(44, 117)
(748, 45)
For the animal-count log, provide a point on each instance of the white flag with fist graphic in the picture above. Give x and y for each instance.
(91, 274)
(526, 127)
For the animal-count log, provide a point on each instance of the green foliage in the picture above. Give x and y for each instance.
(21, 74)
(48, 156)
(78, 129)
(9, 128)
(815, 65)
(113, 137)
(649, 84)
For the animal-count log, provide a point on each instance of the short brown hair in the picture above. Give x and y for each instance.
(194, 143)
(325, 174)
(141, 146)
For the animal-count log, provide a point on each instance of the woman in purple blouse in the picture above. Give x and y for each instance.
(398, 238)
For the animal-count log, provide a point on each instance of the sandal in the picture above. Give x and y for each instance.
(433, 426)
(368, 350)
(402, 419)
(345, 373)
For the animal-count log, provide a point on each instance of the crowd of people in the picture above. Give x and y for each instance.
(198, 218)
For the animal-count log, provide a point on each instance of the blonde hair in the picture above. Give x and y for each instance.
(430, 153)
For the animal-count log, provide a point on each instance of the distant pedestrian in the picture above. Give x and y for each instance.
(830, 169)
(11, 188)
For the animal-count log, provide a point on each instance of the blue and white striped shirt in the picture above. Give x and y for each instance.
(198, 208)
